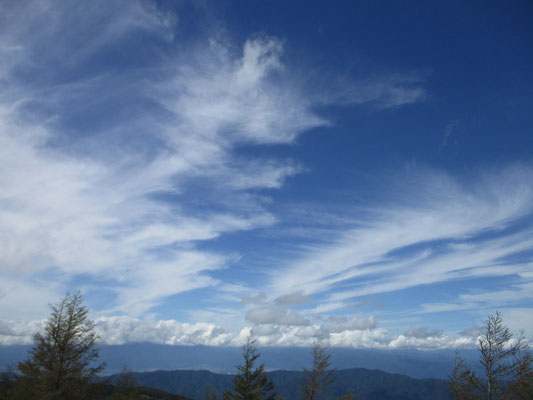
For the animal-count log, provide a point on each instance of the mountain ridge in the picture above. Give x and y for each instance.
(365, 384)
(152, 357)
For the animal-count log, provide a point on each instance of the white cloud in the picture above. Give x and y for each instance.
(255, 299)
(420, 332)
(336, 324)
(275, 315)
(16, 332)
(482, 299)
(436, 210)
(92, 203)
(120, 330)
(432, 342)
(385, 91)
(519, 291)
(375, 338)
(124, 329)
(292, 299)
(518, 319)
(473, 332)
(226, 101)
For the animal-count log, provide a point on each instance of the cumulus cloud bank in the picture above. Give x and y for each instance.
(356, 332)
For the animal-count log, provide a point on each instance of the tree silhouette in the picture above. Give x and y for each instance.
(61, 363)
(251, 383)
(126, 386)
(506, 366)
(317, 380)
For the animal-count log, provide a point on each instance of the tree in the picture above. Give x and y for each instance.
(505, 365)
(250, 383)
(61, 363)
(210, 394)
(347, 396)
(463, 381)
(318, 380)
(8, 379)
(126, 387)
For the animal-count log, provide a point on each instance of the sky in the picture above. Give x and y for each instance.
(201, 171)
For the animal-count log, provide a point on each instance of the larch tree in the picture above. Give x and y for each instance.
(251, 383)
(62, 361)
(318, 380)
(126, 387)
(505, 365)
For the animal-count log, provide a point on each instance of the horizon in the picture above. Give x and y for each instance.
(206, 171)
(150, 357)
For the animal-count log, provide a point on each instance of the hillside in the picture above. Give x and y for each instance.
(365, 384)
(104, 391)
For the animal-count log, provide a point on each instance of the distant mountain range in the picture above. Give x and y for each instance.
(363, 383)
(151, 357)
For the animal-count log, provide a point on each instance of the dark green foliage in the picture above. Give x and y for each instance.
(7, 383)
(251, 383)
(318, 380)
(506, 367)
(61, 361)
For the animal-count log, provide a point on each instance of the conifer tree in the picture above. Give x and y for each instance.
(126, 386)
(505, 363)
(61, 363)
(321, 376)
(251, 383)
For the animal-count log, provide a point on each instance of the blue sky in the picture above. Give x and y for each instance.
(205, 170)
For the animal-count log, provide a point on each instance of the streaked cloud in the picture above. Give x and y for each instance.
(75, 204)
(443, 230)
(165, 174)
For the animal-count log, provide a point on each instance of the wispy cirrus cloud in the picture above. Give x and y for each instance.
(121, 153)
(112, 200)
(444, 230)
(390, 91)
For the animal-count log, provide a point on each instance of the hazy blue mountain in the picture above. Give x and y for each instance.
(365, 384)
(151, 357)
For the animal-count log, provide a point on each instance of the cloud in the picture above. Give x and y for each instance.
(432, 342)
(123, 329)
(120, 330)
(275, 315)
(387, 91)
(15, 332)
(124, 172)
(38, 30)
(334, 324)
(420, 332)
(518, 319)
(265, 330)
(473, 332)
(293, 299)
(370, 301)
(375, 338)
(109, 199)
(227, 100)
(517, 289)
(438, 229)
(121, 164)
(256, 299)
